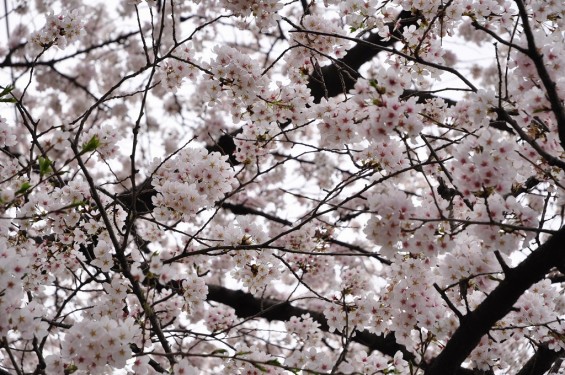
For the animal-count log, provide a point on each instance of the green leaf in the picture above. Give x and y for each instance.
(78, 203)
(70, 368)
(261, 368)
(6, 91)
(44, 166)
(91, 145)
(25, 187)
(219, 351)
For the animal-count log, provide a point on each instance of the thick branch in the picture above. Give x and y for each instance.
(497, 304)
(541, 361)
(247, 306)
(341, 76)
(550, 86)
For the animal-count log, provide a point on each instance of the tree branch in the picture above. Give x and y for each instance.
(247, 306)
(541, 361)
(341, 76)
(497, 304)
(550, 86)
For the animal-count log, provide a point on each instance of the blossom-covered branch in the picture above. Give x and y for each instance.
(313, 187)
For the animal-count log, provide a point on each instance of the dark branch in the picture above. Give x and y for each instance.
(341, 76)
(541, 361)
(248, 306)
(550, 86)
(240, 209)
(497, 304)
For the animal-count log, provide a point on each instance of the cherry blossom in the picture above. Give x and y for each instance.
(59, 30)
(245, 187)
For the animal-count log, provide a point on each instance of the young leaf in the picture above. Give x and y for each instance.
(219, 351)
(7, 90)
(25, 187)
(91, 145)
(44, 166)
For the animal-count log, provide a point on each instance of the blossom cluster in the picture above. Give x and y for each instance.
(185, 368)
(175, 70)
(264, 12)
(247, 359)
(307, 258)
(110, 303)
(311, 359)
(360, 14)
(374, 363)
(239, 74)
(480, 165)
(305, 328)
(220, 319)
(411, 306)
(256, 269)
(372, 120)
(255, 141)
(320, 35)
(189, 182)
(60, 30)
(104, 139)
(534, 313)
(392, 220)
(22, 319)
(192, 289)
(7, 136)
(96, 346)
